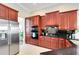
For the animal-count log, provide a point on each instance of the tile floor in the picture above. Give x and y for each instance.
(27, 49)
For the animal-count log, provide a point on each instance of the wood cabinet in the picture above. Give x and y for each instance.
(3, 11)
(44, 41)
(13, 15)
(41, 41)
(54, 43)
(68, 20)
(27, 30)
(47, 42)
(35, 20)
(72, 21)
(8, 13)
(27, 39)
(52, 18)
(34, 41)
(29, 22)
(65, 21)
(43, 22)
(51, 43)
(62, 43)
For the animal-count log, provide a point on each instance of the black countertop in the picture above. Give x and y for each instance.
(74, 50)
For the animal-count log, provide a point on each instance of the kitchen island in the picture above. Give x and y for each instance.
(53, 42)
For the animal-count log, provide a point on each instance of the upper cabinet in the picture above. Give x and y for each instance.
(35, 20)
(52, 18)
(2, 11)
(72, 23)
(13, 15)
(64, 20)
(43, 21)
(68, 20)
(8, 13)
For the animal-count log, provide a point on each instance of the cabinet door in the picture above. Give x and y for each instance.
(32, 21)
(68, 20)
(43, 22)
(35, 20)
(6, 12)
(47, 42)
(54, 43)
(63, 21)
(33, 41)
(48, 19)
(13, 15)
(52, 18)
(27, 38)
(62, 43)
(41, 41)
(2, 12)
(72, 21)
(28, 30)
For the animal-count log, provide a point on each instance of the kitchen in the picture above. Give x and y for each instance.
(51, 26)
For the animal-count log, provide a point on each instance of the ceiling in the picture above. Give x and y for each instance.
(26, 8)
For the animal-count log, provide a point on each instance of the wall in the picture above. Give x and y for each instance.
(22, 28)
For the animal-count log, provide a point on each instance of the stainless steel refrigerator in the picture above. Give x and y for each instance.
(9, 37)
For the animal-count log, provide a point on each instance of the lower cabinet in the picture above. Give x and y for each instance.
(41, 41)
(47, 42)
(34, 41)
(54, 43)
(27, 39)
(51, 43)
(61, 43)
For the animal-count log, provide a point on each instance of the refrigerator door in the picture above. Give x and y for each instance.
(14, 37)
(4, 45)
